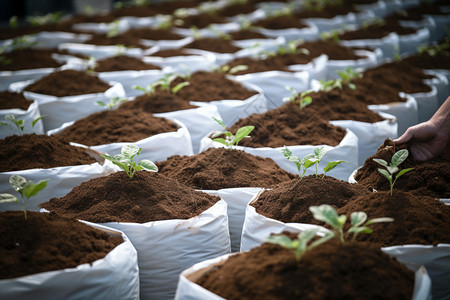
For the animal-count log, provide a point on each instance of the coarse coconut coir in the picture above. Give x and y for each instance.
(417, 219)
(428, 178)
(329, 271)
(114, 126)
(157, 102)
(32, 151)
(146, 197)
(123, 63)
(221, 168)
(46, 242)
(25, 59)
(10, 100)
(289, 201)
(68, 83)
(333, 50)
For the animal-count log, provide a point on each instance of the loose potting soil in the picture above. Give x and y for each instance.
(29, 59)
(153, 34)
(221, 168)
(377, 31)
(333, 50)
(157, 102)
(148, 196)
(329, 12)
(218, 45)
(32, 151)
(202, 20)
(429, 178)
(426, 61)
(237, 9)
(46, 242)
(209, 86)
(280, 22)
(170, 53)
(123, 63)
(417, 219)
(329, 271)
(246, 35)
(289, 201)
(121, 39)
(114, 126)
(68, 83)
(9, 100)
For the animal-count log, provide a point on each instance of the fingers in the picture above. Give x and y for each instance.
(408, 135)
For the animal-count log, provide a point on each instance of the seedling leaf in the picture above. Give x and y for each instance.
(8, 198)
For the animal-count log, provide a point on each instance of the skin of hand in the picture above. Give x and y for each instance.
(429, 139)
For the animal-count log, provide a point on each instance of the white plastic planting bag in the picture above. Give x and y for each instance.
(236, 199)
(317, 68)
(98, 52)
(273, 84)
(139, 22)
(442, 24)
(188, 290)
(129, 79)
(338, 22)
(28, 116)
(427, 104)
(346, 150)
(206, 32)
(198, 121)
(309, 33)
(388, 44)
(168, 44)
(155, 148)
(61, 180)
(378, 8)
(440, 82)
(233, 110)
(47, 39)
(116, 276)
(59, 110)
(9, 77)
(406, 113)
(368, 61)
(102, 28)
(426, 22)
(410, 42)
(166, 248)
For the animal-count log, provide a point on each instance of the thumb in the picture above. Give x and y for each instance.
(405, 137)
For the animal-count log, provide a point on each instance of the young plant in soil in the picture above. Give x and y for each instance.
(112, 104)
(310, 160)
(392, 167)
(442, 48)
(164, 84)
(227, 70)
(125, 161)
(332, 35)
(11, 121)
(230, 139)
(346, 77)
(50, 18)
(219, 33)
(26, 189)
(113, 29)
(328, 214)
(302, 99)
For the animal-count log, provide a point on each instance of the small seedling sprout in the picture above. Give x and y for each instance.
(332, 35)
(50, 18)
(226, 69)
(113, 29)
(90, 64)
(392, 167)
(301, 244)
(230, 139)
(328, 214)
(164, 84)
(437, 49)
(12, 122)
(124, 160)
(220, 34)
(26, 189)
(302, 99)
(113, 103)
(13, 22)
(347, 76)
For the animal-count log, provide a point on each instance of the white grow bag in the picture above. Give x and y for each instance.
(188, 290)
(9, 77)
(369, 61)
(128, 79)
(61, 180)
(206, 32)
(116, 276)
(317, 68)
(426, 22)
(346, 150)
(273, 84)
(155, 148)
(309, 33)
(28, 116)
(388, 44)
(427, 104)
(338, 22)
(59, 110)
(410, 42)
(441, 82)
(236, 199)
(168, 44)
(378, 8)
(98, 52)
(166, 248)
(102, 28)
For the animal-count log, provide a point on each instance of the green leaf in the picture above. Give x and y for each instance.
(363, 229)
(352, 86)
(358, 218)
(332, 164)
(280, 240)
(238, 68)
(130, 151)
(221, 140)
(392, 169)
(403, 172)
(148, 165)
(242, 133)
(399, 157)
(3, 123)
(17, 182)
(11, 118)
(327, 214)
(218, 133)
(308, 163)
(379, 220)
(35, 121)
(8, 198)
(100, 103)
(220, 122)
(320, 152)
(386, 174)
(179, 86)
(32, 189)
(380, 161)
(307, 101)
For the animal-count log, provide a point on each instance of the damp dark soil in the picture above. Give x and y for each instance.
(417, 13)
(289, 201)
(148, 196)
(46, 242)
(328, 12)
(114, 126)
(221, 168)
(158, 102)
(10, 100)
(333, 50)
(237, 9)
(29, 59)
(429, 178)
(202, 20)
(68, 83)
(123, 63)
(246, 35)
(426, 61)
(377, 31)
(281, 22)
(214, 45)
(32, 151)
(418, 219)
(154, 8)
(209, 86)
(153, 34)
(171, 52)
(289, 126)
(121, 39)
(329, 271)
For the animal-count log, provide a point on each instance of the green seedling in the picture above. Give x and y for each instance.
(26, 189)
(392, 167)
(50, 18)
(90, 64)
(122, 49)
(347, 76)
(113, 29)
(113, 103)
(292, 48)
(375, 22)
(302, 99)
(12, 122)
(181, 12)
(328, 214)
(230, 139)
(227, 70)
(164, 84)
(327, 86)
(208, 8)
(218, 33)
(124, 160)
(287, 10)
(320, 5)
(195, 32)
(301, 244)
(88, 10)
(166, 23)
(442, 48)
(14, 22)
(332, 35)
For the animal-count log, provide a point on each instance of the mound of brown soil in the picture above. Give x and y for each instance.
(214, 45)
(29, 59)
(157, 102)
(9, 100)
(123, 63)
